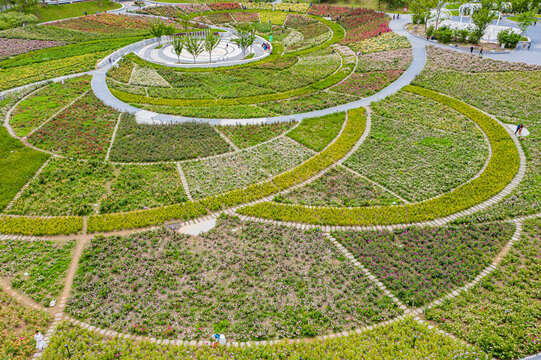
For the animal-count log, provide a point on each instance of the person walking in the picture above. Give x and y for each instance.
(471, 49)
(40, 340)
(219, 339)
(529, 45)
(481, 52)
(519, 129)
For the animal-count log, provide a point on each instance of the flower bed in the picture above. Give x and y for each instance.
(316, 133)
(248, 280)
(501, 315)
(256, 6)
(22, 75)
(276, 18)
(143, 142)
(338, 187)
(82, 130)
(11, 47)
(366, 31)
(40, 106)
(213, 176)
(366, 84)
(300, 7)
(19, 324)
(106, 23)
(50, 33)
(36, 268)
(65, 187)
(218, 6)
(382, 43)
(147, 76)
(215, 112)
(329, 10)
(246, 17)
(245, 136)
(385, 61)
(220, 18)
(143, 187)
(383, 342)
(500, 170)
(419, 265)
(296, 21)
(306, 103)
(122, 72)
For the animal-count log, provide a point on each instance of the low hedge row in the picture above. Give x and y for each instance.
(502, 167)
(193, 209)
(38, 226)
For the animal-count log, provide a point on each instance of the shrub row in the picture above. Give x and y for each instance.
(40, 226)
(500, 170)
(189, 210)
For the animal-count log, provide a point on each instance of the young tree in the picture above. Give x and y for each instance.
(245, 36)
(194, 45)
(179, 42)
(157, 29)
(438, 6)
(420, 10)
(526, 19)
(169, 29)
(211, 42)
(481, 19)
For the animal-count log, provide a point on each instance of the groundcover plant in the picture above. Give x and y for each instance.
(251, 280)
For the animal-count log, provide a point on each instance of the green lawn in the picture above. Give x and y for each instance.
(65, 11)
(316, 133)
(18, 164)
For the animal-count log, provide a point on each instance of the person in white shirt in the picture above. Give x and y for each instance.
(40, 340)
(219, 339)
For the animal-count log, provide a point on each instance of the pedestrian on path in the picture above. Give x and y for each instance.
(40, 340)
(219, 339)
(519, 129)
(471, 49)
(481, 52)
(529, 45)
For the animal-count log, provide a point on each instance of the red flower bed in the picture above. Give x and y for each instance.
(366, 31)
(10, 47)
(224, 6)
(329, 10)
(360, 18)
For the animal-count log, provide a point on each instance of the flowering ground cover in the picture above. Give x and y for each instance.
(217, 6)
(244, 136)
(385, 61)
(17, 327)
(106, 23)
(65, 187)
(122, 72)
(384, 42)
(501, 315)
(246, 17)
(36, 268)
(219, 112)
(275, 17)
(17, 162)
(338, 187)
(390, 342)
(27, 74)
(83, 130)
(142, 187)
(419, 265)
(307, 33)
(506, 90)
(419, 148)
(50, 33)
(40, 106)
(366, 84)
(147, 76)
(305, 103)
(316, 133)
(11, 47)
(220, 18)
(220, 174)
(247, 279)
(143, 142)
(329, 10)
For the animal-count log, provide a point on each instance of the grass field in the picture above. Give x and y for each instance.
(65, 11)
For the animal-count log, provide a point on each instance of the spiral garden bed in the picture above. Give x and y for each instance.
(337, 229)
